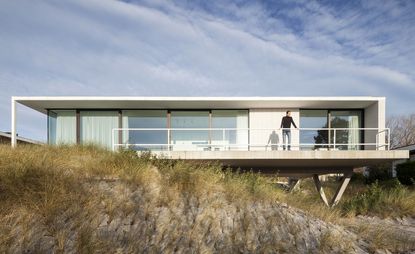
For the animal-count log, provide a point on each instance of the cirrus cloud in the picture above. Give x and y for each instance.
(198, 48)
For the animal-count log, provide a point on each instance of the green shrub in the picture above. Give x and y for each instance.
(406, 172)
(386, 199)
(379, 172)
(358, 178)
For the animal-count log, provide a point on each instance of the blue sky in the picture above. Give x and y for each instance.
(204, 48)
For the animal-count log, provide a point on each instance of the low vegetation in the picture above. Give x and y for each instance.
(406, 172)
(389, 199)
(386, 199)
(81, 199)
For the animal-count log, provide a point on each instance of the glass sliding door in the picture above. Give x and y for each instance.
(314, 139)
(145, 139)
(235, 139)
(347, 137)
(351, 137)
(189, 139)
(96, 127)
(61, 127)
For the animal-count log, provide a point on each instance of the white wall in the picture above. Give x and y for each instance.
(374, 118)
(271, 119)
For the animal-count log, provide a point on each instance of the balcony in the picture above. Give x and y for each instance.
(248, 139)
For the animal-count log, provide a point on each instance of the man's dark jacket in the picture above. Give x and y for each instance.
(287, 121)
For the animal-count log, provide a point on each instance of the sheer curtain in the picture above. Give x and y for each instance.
(234, 119)
(126, 115)
(62, 127)
(242, 135)
(353, 137)
(96, 127)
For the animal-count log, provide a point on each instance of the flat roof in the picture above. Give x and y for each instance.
(42, 103)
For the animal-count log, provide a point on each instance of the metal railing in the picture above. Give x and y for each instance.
(222, 139)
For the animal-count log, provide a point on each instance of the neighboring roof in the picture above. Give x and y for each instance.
(21, 139)
(41, 104)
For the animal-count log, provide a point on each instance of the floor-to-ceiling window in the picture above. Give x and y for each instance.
(189, 139)
(61, 127)
(232, 133)
(346, 135)
(313, 138)
(220, 129)
(145, 139)
(348, 121)
(97, 126)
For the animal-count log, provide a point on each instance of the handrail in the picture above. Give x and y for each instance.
(265, 129)
(387, 145)
(334, 144)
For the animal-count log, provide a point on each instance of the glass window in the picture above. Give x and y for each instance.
(229, 119)
(350, 119)
(62, 127)
(145, 119)
(313, 139)
(348, 134)
(97, 126)
(52, 117)
(190, 139)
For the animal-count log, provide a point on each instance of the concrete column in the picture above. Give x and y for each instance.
(320, 190)
(13, 124)
(342, 187)
(293, 184)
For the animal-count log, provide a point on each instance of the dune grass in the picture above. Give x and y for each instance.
(382, 199)
(50, 185)
(44, 186)
(32, 175)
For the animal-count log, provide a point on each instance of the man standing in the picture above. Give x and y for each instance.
(286, 129)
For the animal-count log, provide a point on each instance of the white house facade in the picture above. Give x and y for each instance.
(334, 134)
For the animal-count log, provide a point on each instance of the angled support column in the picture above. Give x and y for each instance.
(293, 184)
(13, 123)
(320, 189)
(339, 192)
(342, 187)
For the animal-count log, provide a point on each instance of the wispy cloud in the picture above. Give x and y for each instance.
(202, 48)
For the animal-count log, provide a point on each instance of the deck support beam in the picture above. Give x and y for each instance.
(339, 192)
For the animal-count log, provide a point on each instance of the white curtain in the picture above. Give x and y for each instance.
(97, 126)
(125, 124)
(237, 119)
(62, 127)
(242, 135)
(353, 137)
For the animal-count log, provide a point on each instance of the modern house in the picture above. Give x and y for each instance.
(335, 134)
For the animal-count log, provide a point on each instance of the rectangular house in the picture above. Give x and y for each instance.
(214, 123)
(334, 134)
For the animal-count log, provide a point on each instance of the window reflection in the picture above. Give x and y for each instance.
(145, 119)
